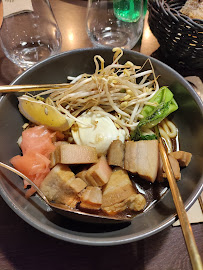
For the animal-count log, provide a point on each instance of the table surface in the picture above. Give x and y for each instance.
(23, 247)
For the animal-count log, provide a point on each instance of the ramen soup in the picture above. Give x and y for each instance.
(91, 145)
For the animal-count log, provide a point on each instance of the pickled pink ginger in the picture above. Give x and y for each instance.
(36, 148)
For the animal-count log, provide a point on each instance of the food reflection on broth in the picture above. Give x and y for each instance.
(92, 145)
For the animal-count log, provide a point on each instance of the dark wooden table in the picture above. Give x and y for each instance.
(23, 247)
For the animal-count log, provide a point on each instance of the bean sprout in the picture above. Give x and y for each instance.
(118, 90)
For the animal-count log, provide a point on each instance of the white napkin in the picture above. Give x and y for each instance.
(13, 7)
(194, 214)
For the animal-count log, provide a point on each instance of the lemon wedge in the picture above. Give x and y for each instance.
(41, 113)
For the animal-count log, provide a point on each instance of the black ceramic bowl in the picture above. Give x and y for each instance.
(189, 119)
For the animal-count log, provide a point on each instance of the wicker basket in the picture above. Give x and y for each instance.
(180, 38)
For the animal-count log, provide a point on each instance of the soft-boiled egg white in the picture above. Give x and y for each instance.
(97, 131)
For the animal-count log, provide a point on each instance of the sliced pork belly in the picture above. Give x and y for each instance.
(82, 175)
(91, 198)
(115, 155)
(77, 154)
(77, 184)
(135, 202)
(174, 165)
(182, 157)
(119, 194)
(55, 156)
(142, 158)
(67, 153)
(118, 188)
(61, 186)
(70, 200)
(99, 174)
(88, 180)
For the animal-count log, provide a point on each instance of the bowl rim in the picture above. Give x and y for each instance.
(110, 240)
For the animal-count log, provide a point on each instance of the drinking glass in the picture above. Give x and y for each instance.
(30, 36)
(115, 23)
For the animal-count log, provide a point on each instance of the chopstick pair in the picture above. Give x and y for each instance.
(31, 87)
(184, 222)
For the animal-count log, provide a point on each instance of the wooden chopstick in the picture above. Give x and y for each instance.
(31, 87)
(184, 222)
(201, 201)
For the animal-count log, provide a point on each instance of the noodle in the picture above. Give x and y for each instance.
(169, 128)
(168, 131)
(166, 138)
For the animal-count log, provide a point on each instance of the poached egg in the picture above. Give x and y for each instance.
(96, 131)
